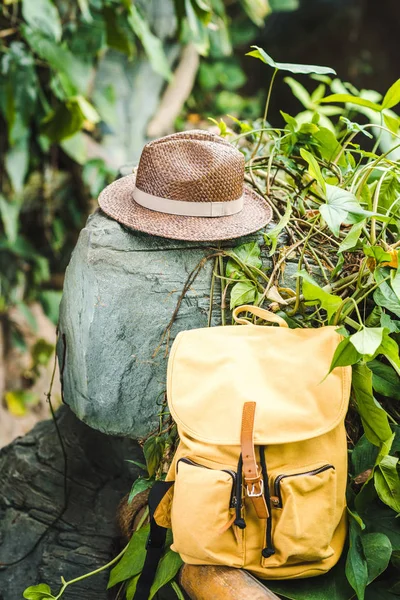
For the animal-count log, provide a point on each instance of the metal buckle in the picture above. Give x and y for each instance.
(251, 493)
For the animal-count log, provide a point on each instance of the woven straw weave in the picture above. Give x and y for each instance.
(192, 166)
(195, 166)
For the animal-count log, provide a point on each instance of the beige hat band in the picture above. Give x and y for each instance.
(187, 208)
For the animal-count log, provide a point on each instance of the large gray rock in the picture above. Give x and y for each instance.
(85, 536)
(121, 289)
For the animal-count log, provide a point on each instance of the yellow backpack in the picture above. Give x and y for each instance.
(259, 477)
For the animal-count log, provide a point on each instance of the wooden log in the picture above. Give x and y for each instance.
(222, 583)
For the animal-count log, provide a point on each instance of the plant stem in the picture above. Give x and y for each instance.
(265, 112)
(103, 568)
(212, 292)
(223, 285)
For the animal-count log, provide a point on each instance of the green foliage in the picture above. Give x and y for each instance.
(337, 215)
(38, 592)
(291, 67)
(48, 108)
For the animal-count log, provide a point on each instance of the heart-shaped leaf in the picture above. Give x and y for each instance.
(367, 340)
(38, 592)
(339, 205)
(314, 294)
(249, 254)
(291, 67)
(242, 292)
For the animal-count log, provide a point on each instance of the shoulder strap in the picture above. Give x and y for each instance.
(262, 313)
(155, 542)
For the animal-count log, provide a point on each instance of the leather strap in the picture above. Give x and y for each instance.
(253, 481)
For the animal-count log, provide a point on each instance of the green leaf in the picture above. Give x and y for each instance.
(328, 145)
(257, 11)
(367, 340)
(177, 590)
(378, 517)
(43, 16)
(384, 380)
(168, 567)
(377, 551)
(351, 239)
(299, 91)
(378, 253)
(384, 295)
(68, 118)
(119, 37)
(392, 96)
(291, 121)
(139, 485)
(152, 45)
(131, 587)
(84, 8)
(273, 235)
(348, 98)
(345, 355)
(153, 450)
(356, 564)
(9, 213)
(64, 122)
(374, 418)
(75, 75)
(16, 163)
(339, 205)
(131, 563)
(387, 482)
(363, 456)
(17, 401)
(388, 323)
(249, 254)
(392, 123)
(395, 282)
(390, 349)
(284, 5)
(137, 463)
(243, 292)
(292, 68)
(38, 592)
(313, 168)
(88, 111)
(314, 294)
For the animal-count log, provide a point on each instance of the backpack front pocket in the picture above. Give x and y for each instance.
(303, 515)
(203, 511)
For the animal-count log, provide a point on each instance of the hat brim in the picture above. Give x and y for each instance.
(116, 200)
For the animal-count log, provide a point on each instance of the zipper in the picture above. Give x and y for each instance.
(239, 520)
(269, 549)
(277, 500)
(233, 501)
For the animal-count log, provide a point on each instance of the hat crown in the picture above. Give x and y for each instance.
(191, 166)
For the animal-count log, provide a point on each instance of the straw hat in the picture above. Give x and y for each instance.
(188, 186)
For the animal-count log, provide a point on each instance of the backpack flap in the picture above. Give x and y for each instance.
(213, 372)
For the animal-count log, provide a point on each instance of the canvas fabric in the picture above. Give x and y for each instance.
(299, 442)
